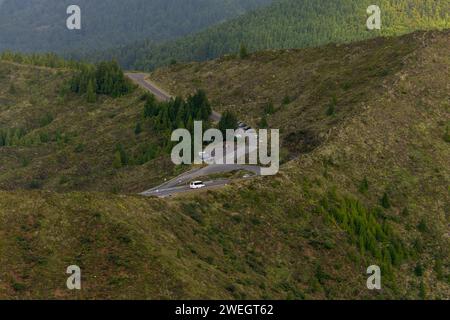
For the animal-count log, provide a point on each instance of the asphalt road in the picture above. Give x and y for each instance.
(181, 183)
(168, 192)
(140, 79)
(161, 95)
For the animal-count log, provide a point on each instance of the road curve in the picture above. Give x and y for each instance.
(180, 184)
(164, 193)
(140, 79)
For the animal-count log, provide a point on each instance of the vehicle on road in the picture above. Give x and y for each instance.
(197, 185)
(204, 156)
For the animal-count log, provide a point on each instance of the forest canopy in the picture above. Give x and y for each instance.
(287, 24)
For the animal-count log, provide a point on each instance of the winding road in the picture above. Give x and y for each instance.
(141, 80)
(181, 183)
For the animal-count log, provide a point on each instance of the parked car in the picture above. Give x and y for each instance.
(253, 132)
(239, 133)
(204, 156)
(197, 185)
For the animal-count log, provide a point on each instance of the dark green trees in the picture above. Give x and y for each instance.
(177, 113)
(263, 124)
(243, 53)
(91, 96)
(162, 118)
(198, 106)
(138, 128)
(447, 134)
(228, 121)
(104, 78)
(385, 201)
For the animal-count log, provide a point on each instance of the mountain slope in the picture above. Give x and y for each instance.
(28, 25)
(291, 24)
(51, 138)
(375, 191)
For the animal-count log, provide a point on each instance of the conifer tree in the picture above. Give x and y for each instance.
(263, 123)
(228, 121)
(138, 128)
(117, 163)
(90, 94)
(243, 53)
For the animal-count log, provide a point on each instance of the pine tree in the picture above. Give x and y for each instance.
(90, 94)
(180, 120)
(263, 123)
(269, 108)
(138, 128)
(364, 186)
(422, 291)
(190, 124)
(447, 134)
(117, 163)
(150, 108)
(243, 53)
(385, 202)
(123, 154)
(228, 121)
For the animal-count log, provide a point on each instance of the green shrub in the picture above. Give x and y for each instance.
(331, 110)
(138, 128)
(263, 124)
(385, 201)
(12, 89)
(286, 100)
(364, 186)
(117, 162)
(79, 148)
(269, 108)
(35, 184)
(422, 226)
(365, 230)
(243, 52)
(193, 210)
(447, 134)
(418, 270)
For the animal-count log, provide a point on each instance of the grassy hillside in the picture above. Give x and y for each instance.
(374, 190)
(56, 140)
(291, 24)
(27, 25)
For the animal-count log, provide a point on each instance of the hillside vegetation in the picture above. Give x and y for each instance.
(290, 24)
(375, 189)
(28, 25)
(53, 138)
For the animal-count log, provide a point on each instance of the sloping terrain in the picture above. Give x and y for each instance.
(291, 24)
(53, 139)
(29, 25)
(375, 190)
(305, 93)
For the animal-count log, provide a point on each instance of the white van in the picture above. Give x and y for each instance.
(204, 156)
(197, 185)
